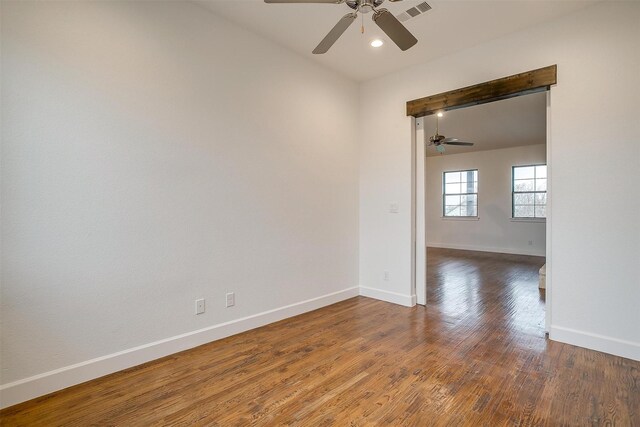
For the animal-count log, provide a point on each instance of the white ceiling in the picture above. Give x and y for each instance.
(502, 124)
(450, 26)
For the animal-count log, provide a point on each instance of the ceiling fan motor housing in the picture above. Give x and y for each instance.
(435, 139)
(364, 6)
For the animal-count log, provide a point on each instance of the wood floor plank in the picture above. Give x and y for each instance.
(475, 355)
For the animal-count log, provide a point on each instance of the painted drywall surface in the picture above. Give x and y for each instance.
(153, 154)
(595, 153)
(493, 231)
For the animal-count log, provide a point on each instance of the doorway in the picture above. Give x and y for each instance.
(482, 223)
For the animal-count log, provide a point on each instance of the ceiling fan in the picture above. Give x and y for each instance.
(382, 17)
(439, 141)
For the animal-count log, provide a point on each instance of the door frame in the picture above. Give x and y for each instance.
(533, 81)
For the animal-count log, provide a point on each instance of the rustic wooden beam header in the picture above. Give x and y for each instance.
(507, 87)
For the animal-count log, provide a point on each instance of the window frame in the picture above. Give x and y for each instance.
(534, 192)
(444, 194)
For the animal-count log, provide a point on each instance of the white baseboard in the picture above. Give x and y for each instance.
(617, 347)
(406, 300)
(533, 252)
(39, 385)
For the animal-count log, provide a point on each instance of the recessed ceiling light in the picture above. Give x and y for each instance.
(440, 114)
(377, 43)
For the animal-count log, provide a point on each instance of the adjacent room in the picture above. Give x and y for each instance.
(486, 188)
(268, 212)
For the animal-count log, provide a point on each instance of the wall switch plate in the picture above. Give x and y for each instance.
(394, 207)
(231, 299)
(386, 276)
(200, 306)
(530, 242)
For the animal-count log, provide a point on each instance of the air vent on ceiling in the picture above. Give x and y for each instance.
(413, 12)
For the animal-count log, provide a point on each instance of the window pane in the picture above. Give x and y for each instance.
(541, 198)
(541, 184)
(524, 172)
(468, 176)
(523, 185)
(541, 171)
(523, 211)
(451, 177)
(472, 210)
(541, 211)
(523, 199)
(451, 200)
(468, 187)
(470, 199)
(452, 189)
(452, 211)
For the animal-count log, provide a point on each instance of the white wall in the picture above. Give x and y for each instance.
(596, 244)
(152, 154)
(494, 230)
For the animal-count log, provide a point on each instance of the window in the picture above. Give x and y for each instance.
(529, 198)
(460, 193)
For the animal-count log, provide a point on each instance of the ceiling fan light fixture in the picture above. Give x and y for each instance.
(376, 43)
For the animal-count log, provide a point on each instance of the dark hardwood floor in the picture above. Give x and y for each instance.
(475, 355)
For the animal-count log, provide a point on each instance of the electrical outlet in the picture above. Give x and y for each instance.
(386, 276)
(200, 306)
(530, 242)
(231, 299)
(394, 207)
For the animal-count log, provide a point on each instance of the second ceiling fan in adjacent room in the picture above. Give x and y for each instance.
(439, 141)
(384, 19)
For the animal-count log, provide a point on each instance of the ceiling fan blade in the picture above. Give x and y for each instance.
(305, 1)
(394, 29)
(460, 143)
(335, 33)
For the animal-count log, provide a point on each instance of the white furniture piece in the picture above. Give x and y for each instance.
(543, 277)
